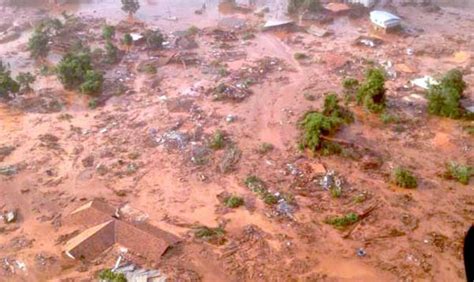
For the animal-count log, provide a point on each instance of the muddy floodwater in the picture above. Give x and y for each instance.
(216, 146)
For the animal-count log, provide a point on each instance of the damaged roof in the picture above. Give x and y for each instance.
(141, 239)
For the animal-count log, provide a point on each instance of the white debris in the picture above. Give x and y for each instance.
(424, 82)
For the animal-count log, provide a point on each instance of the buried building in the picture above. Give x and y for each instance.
(105, 229)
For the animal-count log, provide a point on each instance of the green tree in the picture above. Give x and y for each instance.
(108, 32)
(444, 99)
(72, 69)
(130, 7)
(127, 40)
(7, 84)
(25, 79)
(154, 39)
(92, 84)
(38, 44)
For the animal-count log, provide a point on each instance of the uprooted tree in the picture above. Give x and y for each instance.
(75, 71)
(317, 126)
(444, 98)
(371, 93)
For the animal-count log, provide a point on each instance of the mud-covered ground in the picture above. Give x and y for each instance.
(147, 146)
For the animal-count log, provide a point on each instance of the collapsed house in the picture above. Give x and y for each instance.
(106, 229)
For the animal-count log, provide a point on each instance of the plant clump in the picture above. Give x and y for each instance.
(316, 125)
(340, 222)
(108, 275)
(256, 185)
(75, 71)
(371, 93)
(404, 178)
(458, 172)
(295, 6)
(233, 201)
(444, 98)
(217, 141)
(213, 235)
(7, 84)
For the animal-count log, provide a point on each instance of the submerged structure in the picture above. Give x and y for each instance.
(384, 19)
(106, 229)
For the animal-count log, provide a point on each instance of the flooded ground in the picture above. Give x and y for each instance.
(151, 146)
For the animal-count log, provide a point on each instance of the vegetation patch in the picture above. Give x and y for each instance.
(316, 125)
(110, 276)
(265, 148)
(388, 118)
(341, 222)
(75, 72)
(233, 201)
(371, 93)
(256, 185)
(217, 141)
(444, 98)
(215, 235)
(7, 84)
(458, 172)
(295, 6)
(404, 178)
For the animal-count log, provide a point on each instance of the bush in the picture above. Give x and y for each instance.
(387, 118)
(108, 32)
(444, 98)
(110, 276)
(295, 6)
(7, 84)
(264, 148)
(154, 39)
(217, 141)
(93, 82)
(315, 124)
(300, 56)
(72, 69)
(210, 234)
(192, 30)
(404, 178)
(233, 202)
(38, 44)
(458, 172)
(111, 53)
(25, 79)
(371, 94)
(341, 222)
(127, 39)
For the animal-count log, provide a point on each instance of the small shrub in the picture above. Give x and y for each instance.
(108, 32)
(7, 84)
(387, 118)
(255, 184)
(234, 202)
(315, 124)
(308, 96)
(341, 222)
(38, 44)
(110, 276)
(192, 30)
(154, 39)
(358, 199)
(127, 39)
(210, 234)
(217, 141)
(25, 79)
(371, 94)
(404, 178)
(300, 56)
(269, 198)
(336, 192)
(458, 172)
(72, 69)
(264, 148)
(93, 103)
(111, 53)
(444, 98)
(92, 84)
